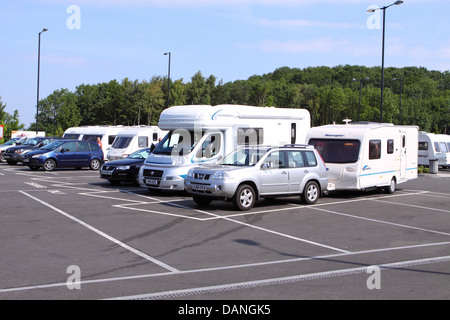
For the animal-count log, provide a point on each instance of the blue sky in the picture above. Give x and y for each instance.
(94, 41)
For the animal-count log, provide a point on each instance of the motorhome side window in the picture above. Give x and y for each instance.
(142, 142)
(390, 146)
(210, 147)
(374, 149)
(250, 136)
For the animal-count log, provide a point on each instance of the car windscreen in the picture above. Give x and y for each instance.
(32, 142)
(52, 146)
(121, 142)
(140, 154)
(337, 150)
(244, 157)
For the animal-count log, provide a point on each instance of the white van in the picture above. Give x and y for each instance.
(434, 147)
(107, 134)
(134, 138)
(362, 156)
(203, 134)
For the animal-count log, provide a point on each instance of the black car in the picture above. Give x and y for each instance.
(125, 170)
(15, 154)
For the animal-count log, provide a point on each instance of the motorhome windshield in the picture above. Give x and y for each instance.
(337, 150)
(179, 142)
(121, 142)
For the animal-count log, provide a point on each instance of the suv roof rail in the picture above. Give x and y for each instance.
(297, 145)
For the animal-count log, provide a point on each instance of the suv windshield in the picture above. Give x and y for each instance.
(244, 157)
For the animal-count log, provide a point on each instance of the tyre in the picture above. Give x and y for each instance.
(392, 187)
(114, 182)
(244, 198)
(95, 164)
(49, 165)
(311, 193)
(202, 201)
(34, 168)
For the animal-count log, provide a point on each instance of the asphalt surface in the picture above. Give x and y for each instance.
(70, 235)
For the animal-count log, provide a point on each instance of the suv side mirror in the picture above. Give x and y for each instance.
(266, 165)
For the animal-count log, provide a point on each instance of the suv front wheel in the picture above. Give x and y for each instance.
(311, 192)
(244, 198)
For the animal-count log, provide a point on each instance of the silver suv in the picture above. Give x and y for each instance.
(251, 173)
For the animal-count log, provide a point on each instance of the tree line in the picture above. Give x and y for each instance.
(412, 96)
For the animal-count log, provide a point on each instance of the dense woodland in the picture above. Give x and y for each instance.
(331, 94)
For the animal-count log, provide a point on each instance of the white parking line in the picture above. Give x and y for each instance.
(101, 233)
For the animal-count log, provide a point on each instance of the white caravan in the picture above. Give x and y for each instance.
(363, 156)
(134, 138)
(107, 134)
(203, 134)
(434, 147)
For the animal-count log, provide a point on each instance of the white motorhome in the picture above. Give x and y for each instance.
(134, 138)
(203, 134)
(363, 156)
(434, 147)
(107, 134)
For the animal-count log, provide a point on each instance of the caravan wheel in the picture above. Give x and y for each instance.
(392, 187)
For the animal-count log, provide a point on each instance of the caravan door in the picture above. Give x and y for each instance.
(403, 156)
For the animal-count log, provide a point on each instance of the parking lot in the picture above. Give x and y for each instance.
(68, 234)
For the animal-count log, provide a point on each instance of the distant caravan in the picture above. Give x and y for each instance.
(434, 147)
(363, 156)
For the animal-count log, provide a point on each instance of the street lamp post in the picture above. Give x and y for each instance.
(396, 3)
(360, 87)
(168, 80)
(401, 91)
(39, 68)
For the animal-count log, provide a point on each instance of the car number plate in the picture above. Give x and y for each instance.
(26, 160)
(106, 173)
(199, 187)
(151, 181)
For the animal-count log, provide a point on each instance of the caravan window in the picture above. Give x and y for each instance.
(91, 137)
(111, 139)
(443, 147)
(337, 150)
(374, 149)
(71, 136)
(390, 146)
(423, 145)
(155, 137)
(121, 142)
(250, 136)
(142, 142)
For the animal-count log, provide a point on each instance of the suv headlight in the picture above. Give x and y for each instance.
(222, 175)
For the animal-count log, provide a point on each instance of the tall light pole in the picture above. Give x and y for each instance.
(360, 87)
(401, 91)
(168, 80)
(39, 68)
(396, 3)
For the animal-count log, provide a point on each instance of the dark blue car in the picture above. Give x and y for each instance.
(65, 154)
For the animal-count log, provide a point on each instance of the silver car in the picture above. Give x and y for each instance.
(251, 173)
